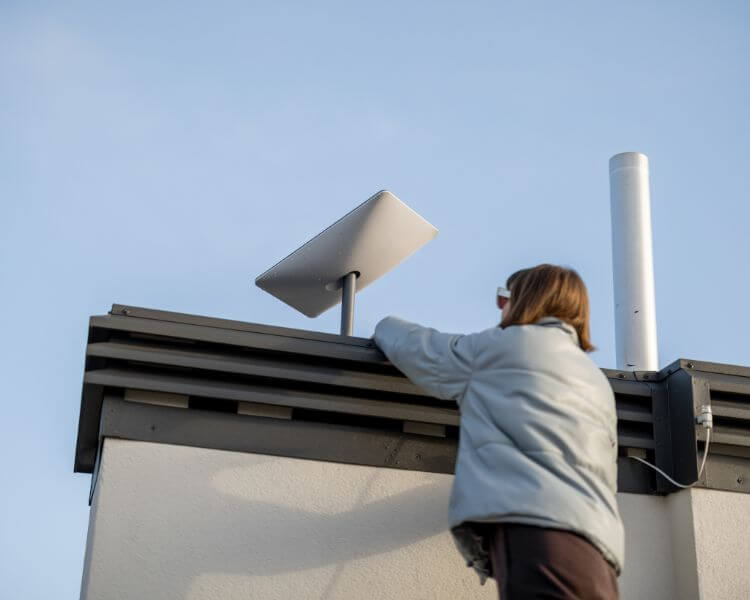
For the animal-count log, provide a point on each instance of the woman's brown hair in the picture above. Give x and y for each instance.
(549, 291)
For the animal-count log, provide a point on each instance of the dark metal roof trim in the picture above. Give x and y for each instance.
(690, 364)
(313, 346)
(186, 319)
(258, 366)
(216, 365)
(244, 392)
(301, 439)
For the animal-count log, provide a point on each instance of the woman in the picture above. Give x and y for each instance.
(533, 499)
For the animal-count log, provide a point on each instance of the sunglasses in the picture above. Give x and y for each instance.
(503, 295)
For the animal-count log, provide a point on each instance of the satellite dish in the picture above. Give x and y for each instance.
(348, 256)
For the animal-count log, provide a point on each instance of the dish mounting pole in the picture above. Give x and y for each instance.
(348, 290)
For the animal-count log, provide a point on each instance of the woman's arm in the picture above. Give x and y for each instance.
(439, 363)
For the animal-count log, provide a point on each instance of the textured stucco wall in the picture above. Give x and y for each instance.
(648, 572)
(691, 545)
(191, 523)
(180, 522)
(722, 543)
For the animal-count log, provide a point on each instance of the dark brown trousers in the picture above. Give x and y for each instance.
(535, 562)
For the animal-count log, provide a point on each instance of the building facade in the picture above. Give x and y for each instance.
(236, 460)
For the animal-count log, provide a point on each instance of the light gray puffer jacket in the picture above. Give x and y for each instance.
(538, 438)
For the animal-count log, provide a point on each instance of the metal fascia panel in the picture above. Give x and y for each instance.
(253, 365)
(230, 390)
(187, 319)
(244, 339)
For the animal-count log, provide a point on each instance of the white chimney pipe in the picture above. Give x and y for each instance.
(633, 263)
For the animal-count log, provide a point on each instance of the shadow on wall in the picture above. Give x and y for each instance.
(248, 515)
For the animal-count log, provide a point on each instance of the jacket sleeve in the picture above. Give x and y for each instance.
(439, 363)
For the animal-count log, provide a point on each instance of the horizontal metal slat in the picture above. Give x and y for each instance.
(627, 387)
(188, 319)
(281, 370)
(301, 439)
(191, 386)
(634, 415)
(730, 404)
(723, 382)
(328, 346)
(244, 339)
(298, 439)
(724, 434)
(732, 409)
(635, 434)
(630, 441)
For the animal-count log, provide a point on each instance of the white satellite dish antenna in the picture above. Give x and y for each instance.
(347, 257)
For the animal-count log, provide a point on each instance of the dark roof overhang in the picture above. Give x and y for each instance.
(256, 388)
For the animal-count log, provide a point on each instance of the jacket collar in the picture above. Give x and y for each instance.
(560, 324)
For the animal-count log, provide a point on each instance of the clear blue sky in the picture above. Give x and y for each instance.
(163, 154)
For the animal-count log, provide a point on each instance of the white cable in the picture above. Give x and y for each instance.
(706, 419)
(705, 453)
(667, 477)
